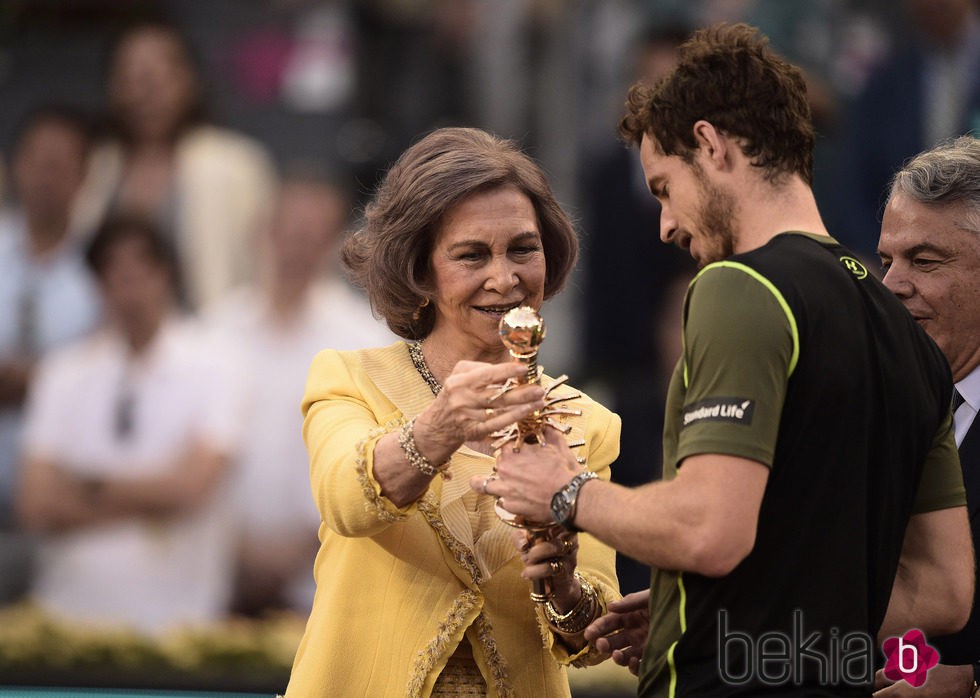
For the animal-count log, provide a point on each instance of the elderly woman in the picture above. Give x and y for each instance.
(421, 590)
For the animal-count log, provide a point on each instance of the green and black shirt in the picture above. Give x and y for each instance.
(798, 358)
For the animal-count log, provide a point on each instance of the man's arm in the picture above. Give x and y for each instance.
(47, 500)
(933, 588)
(51, 499)
(704, 520)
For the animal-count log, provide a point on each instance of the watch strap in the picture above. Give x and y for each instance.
(570, 493)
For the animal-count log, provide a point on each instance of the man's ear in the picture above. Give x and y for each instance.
(713, 146)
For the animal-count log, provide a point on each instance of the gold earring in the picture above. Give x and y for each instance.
(418, 311)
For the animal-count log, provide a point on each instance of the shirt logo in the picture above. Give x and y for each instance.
(720, 409)
(855, 267)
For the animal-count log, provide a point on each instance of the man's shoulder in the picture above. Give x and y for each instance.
(792, 248)
(804, 264)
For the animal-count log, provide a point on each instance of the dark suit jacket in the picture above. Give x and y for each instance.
(884, 127)
(964, 646)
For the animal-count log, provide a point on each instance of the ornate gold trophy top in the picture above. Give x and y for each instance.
(522, 330)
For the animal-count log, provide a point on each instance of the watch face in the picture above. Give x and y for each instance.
(559, 507)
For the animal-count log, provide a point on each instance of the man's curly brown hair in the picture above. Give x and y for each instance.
(729, 76)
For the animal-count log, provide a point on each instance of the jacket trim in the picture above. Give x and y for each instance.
(463, 555)
(439, 645)
(373, 500)
(496, 663)
(468, 599)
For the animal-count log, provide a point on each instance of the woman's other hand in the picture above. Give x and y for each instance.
(471, 406)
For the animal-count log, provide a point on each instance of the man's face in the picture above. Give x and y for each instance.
(48, 170)
(697, 214)
(135, 286)
(933, 265)
(307, 221)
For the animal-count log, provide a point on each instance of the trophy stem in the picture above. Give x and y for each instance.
(522, 331)
(531, 376)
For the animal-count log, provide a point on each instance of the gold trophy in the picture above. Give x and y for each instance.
(522, 330)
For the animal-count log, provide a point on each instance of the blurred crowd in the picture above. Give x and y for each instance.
(177, 175)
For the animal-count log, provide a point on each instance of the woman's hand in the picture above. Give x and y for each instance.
(470, 407)
(554, 559)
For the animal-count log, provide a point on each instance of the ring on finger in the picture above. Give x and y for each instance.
(566, 546)
(486, 481)
(489, 412)
(557, 566)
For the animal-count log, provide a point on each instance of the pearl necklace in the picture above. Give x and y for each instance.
(415, 351)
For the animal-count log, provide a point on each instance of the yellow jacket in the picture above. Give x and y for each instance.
(397, 589)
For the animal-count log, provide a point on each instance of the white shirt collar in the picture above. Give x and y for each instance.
(966, 414)
(969, 388)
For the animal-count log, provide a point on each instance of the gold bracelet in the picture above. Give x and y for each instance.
(576, 620)
(406, 439)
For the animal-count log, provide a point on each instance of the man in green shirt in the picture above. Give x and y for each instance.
(812, 500)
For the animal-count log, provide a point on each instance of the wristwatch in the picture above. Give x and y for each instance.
(564, 500)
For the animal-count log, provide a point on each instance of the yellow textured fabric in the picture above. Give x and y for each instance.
(397, 589)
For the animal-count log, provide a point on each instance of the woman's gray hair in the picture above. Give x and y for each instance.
(389, 255)
(949, 174)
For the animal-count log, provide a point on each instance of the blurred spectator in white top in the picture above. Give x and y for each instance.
(128, 441)
(207, 188)
(47, 296)
(299, 307)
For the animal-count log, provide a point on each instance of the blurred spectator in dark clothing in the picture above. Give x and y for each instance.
(207, 188)
(47, 297)
(128, 440)
(628, 271)
(618, 205)
(927, 91)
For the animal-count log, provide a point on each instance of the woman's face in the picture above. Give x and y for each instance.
(487, 258)
(152, 85)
